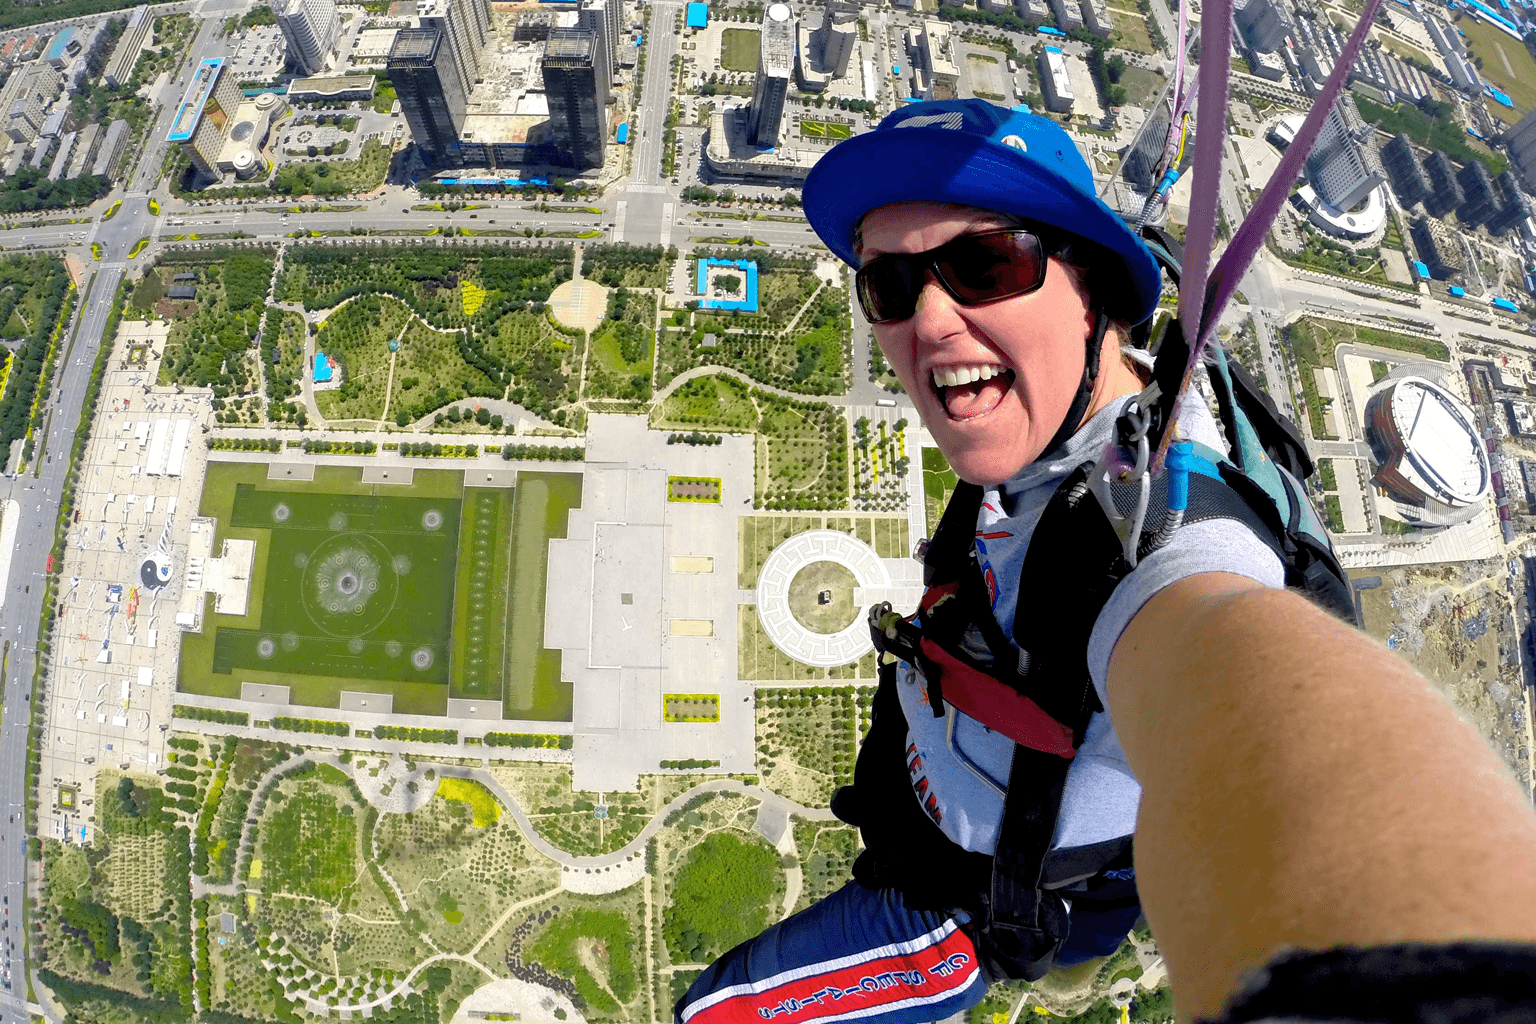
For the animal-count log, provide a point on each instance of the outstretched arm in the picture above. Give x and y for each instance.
(1303, 786)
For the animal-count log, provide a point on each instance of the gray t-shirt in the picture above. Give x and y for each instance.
(1101, 795)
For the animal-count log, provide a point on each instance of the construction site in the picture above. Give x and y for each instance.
(1456, 623)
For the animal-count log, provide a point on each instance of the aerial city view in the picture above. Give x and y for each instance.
(445, 475)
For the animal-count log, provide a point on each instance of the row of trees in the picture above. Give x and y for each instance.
(41, 278)
(547, 452)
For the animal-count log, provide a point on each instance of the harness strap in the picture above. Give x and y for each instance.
(1025, 915)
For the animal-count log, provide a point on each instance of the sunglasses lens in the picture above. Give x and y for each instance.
(984, 268)
(888, 289)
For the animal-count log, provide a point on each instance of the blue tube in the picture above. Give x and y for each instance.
(1181, 459)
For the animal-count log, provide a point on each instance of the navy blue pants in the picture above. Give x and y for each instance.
(858, 955)
(862, 955)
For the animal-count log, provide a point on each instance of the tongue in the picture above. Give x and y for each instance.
(964, 401)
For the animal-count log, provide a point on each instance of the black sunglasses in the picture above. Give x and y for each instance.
(973, 269)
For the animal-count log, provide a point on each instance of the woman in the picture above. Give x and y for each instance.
(1001, 291)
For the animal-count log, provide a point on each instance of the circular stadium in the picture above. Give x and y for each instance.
(1433, 455)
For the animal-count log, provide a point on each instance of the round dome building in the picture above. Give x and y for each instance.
(1432, 454)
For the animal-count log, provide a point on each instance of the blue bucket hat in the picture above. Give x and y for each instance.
(975, 153)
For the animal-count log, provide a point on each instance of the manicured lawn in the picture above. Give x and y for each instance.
(378, 589)
(358, 335)
(480, 618)
(533, 688)
(739, 48)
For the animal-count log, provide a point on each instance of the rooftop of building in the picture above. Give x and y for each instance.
(414, 44)
(570, 43)
(196, 98)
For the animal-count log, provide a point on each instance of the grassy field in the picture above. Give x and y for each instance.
(738, 49)
(533, 688)
(1141, 86)
(806, 592)
(1505, 63)
(353, 586)
(811, 129)
(378, 589)
(938, 484)
(480, 620)
(1131, 32)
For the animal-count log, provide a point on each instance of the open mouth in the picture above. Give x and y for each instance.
(968, 391)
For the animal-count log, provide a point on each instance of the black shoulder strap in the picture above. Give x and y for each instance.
(950, 549)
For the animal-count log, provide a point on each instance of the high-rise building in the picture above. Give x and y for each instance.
(310, 28)
(1484, 203)
(1341, 168)
(614, 23)
(1265, 23)
(1409, 181)
(25, 99)
(1069, 14)
(205, 111)
(1517, 205)
(838, 37)
(465, 26)
(593, 16)
(428, 86)
(775, 63)
(1520, 141)
(577, 91)
(129, 46)
(1055, 86)
(1146, 154)
(1447, 194)
(1096, 17)
(1439, 248)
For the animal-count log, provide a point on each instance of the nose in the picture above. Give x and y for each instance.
(937, 312)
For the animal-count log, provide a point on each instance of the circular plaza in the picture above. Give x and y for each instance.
(810, 596)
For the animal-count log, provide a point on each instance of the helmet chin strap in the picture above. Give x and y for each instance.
(1074, 418)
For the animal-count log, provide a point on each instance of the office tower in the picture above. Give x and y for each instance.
(577, 91)
(25, 99)
(1055, 86)
(428, 87)
(838, 37)
(465, 26)
(129, 45)
(775, 63)
(593, 16)
(204, 113)
(310, 28)
(1265, 23)
(1341, 169)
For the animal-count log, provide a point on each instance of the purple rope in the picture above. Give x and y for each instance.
(1197, 317)
(1250, 234)
(1215, 44)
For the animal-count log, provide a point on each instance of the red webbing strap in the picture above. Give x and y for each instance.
(999, 706)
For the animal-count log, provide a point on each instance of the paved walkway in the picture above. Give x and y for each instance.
(787, 633)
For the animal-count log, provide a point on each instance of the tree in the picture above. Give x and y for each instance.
(728, 283)
(483, 416)
(1114, 67)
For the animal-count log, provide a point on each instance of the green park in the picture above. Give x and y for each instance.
(424, 590)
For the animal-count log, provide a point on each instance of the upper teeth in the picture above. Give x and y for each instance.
(951, 375)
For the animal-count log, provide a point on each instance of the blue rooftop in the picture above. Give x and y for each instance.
(1420, 269)
(55, 49)
(322, 368)
(698, 15)
(1458, 291)
(190, 112)
(623, 133)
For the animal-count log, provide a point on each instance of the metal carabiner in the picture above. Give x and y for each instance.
(1108, 473)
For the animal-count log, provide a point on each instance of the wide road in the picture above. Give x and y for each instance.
(37, 491)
